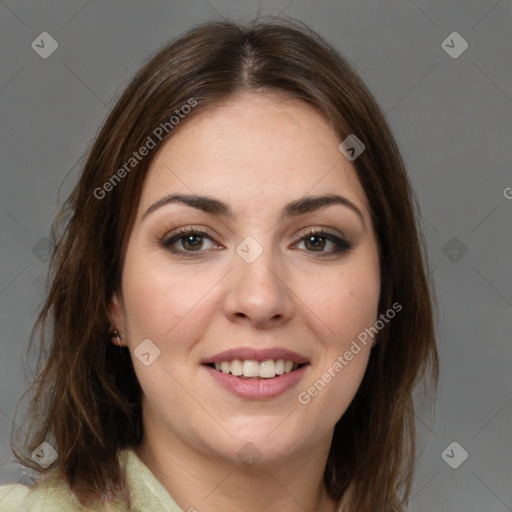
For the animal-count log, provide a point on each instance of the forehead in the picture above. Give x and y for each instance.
(251, 147)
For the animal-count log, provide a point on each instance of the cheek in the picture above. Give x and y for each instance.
(344, 302)
(167, 307)
(334, 381)
(158, 298)
(344, 305)
(328, 394)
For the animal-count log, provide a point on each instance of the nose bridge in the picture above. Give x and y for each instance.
(257, 289)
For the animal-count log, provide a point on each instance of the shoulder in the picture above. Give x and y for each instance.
(12, 497)
(50, 493)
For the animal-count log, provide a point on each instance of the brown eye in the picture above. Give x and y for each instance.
(192, 242)
(315, 242)
(318, 241)
(187, 241)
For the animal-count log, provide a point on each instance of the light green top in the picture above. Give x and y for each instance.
(147, 493)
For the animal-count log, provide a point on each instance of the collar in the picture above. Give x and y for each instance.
(147, 493)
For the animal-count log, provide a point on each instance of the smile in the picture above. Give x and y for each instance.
(257, 374)
(252, 369)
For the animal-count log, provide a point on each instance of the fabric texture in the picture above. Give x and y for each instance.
(52, 494)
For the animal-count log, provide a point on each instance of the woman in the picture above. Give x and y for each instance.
(239, 301)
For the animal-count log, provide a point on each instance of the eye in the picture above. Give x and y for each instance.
(191, 240)
(319, 240)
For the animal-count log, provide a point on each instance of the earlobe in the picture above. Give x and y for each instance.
(116, 337)
(115, 313)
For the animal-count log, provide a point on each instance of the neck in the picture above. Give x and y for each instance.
(201, 481)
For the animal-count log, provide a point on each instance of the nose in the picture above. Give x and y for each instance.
(259, 293)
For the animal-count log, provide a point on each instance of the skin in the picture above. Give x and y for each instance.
(255, 152)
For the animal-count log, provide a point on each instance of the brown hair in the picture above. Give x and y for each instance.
(86, 396)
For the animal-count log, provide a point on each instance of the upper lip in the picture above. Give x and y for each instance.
(246, 353)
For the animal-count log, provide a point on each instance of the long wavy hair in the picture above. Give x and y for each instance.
(85, 397)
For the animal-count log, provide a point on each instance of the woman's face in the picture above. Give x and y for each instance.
(251, 280)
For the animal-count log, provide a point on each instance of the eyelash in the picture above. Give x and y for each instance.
(341, 245)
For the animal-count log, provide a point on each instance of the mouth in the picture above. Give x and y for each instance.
(256, 370)
(257, 374)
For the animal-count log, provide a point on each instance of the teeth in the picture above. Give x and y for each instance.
(253, 369)
(237, 367)
(267, 369)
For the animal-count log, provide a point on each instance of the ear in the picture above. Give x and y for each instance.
(116, 315)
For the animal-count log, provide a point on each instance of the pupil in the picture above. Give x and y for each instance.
(189, 240)
(316, 246)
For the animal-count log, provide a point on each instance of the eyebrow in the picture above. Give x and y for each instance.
(213, 206)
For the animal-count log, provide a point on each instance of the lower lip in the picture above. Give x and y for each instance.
(258, 389)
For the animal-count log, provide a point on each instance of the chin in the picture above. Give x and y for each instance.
(259, 443)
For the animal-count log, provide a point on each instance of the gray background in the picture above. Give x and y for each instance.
(451, 118)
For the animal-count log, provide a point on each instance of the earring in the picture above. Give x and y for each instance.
(117, 336)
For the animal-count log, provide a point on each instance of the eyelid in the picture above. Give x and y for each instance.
(337, 238)
(180, 232)
(301, 234)
(321, 230)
